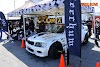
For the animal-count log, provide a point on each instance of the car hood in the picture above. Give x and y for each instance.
(44, 37)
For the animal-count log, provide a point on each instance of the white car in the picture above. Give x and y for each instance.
(49, 44)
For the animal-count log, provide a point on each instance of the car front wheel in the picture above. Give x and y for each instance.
(55, 50)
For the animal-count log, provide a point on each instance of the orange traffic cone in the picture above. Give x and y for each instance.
(23, 43)
(97, 64)
(62, 61)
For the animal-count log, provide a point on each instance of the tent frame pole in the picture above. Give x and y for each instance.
(56, 17)
(24, 27)
(94, 25)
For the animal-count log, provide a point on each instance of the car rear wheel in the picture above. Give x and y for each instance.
(55, 50)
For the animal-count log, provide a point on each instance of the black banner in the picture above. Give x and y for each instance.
(3, 21)
(73, 26)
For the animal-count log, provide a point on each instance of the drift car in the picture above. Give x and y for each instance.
(49, 44)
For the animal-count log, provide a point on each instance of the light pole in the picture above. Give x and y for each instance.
(14, 4)
(90, 2)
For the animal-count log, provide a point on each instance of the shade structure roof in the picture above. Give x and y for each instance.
(27, 4)
(45, 7)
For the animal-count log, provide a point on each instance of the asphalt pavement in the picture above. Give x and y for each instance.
(90, 54)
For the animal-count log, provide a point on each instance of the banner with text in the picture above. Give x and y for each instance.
(73, 26)
(3, 21)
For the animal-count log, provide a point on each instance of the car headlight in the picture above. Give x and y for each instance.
(40, 44)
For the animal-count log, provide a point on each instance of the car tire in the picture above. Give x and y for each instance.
(86, 39)
(54, 51)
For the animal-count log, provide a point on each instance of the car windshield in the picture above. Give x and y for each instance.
(57, 29)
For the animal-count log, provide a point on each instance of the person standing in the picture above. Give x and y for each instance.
(97, 32)
(89, 25)
(31, 25)
(41, 27)
(10, 28)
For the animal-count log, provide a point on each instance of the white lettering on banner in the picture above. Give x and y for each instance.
(3, 22)
(71, 11)
(72, 5)
(71, 41)
(72, 24)
(70, 33)
(72, 18)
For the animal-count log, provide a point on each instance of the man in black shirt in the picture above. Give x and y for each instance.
(31, 25)
(97, 32)
(10, 27)
(42, 27)
(89, 25)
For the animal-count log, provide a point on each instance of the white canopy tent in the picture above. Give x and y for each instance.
(45, 7)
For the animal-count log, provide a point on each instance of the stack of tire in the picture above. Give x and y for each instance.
(17, 33)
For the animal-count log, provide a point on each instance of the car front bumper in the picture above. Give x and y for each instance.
(38, 51)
